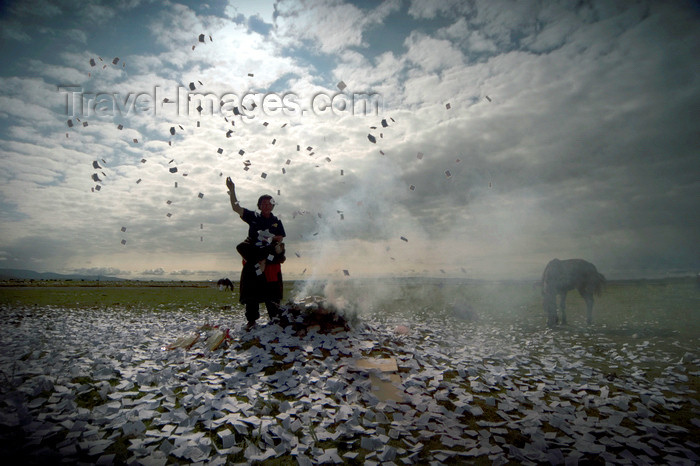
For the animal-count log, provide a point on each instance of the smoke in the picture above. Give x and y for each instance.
(357, 235)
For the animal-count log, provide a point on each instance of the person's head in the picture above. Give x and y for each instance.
(266, 203)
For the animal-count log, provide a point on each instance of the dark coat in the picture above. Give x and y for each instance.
(257, 286)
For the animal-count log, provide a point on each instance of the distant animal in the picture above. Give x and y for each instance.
(225, 284)
(562, 276)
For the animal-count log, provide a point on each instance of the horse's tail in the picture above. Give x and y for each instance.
(598, 283)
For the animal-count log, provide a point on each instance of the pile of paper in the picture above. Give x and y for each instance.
(97, 386)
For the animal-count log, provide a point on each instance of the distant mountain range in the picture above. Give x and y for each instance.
(19, 274)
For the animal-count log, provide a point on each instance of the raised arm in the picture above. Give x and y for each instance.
(232, 194)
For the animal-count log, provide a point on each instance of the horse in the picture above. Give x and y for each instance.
(225, 284)
(562, 276)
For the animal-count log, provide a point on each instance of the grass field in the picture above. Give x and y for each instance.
(647, 306)
(106, 294)
(479, 356)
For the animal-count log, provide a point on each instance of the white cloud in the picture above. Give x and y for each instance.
(96, 13)
(13, 31)
(471, 40)
(102, 272)
(36, 8)
(428, 9)
(432, 54)
(330, 26)
(264, 9)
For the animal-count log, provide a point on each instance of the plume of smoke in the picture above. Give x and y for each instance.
(372, 219)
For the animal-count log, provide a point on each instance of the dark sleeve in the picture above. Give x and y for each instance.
(248, 216)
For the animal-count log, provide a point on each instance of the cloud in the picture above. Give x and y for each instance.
(40, 253)
(329, 26)
(35, 8)
(427, 9)
(472, 41)
(432, 54)
(263, 9)
(102, 272)
(208, 274)
(96, 13)
(13, 31)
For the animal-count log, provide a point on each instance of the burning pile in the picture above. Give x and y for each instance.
(313, 313)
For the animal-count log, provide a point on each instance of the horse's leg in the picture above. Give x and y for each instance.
(562, 304)
(550, 308)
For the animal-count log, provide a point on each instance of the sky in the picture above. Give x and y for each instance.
(457, 139)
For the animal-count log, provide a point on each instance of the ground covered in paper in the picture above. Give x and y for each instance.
(98, 385)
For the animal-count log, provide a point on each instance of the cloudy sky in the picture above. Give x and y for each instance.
(505, 133)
